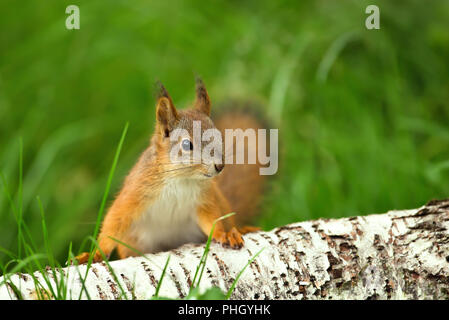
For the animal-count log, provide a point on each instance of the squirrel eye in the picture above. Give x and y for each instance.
(186, 144)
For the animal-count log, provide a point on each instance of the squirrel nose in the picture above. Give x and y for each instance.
(219, 167)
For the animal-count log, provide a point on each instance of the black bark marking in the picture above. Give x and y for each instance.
(187, 274)
(22, 276)
(178, 253)
(221, 265)
(111, 282)
(436, 202)
(289, 228)
(333, 261)
(254, 265)
(95, 271)
(335, 272)
(129, 285)
(114, 290)
(253, 240)
(388, 288)
(276, 288)
(424, 212)
(374, 296)
(177, 284)
(101, 293)
(213, 280)
(302, 267)
(344, 246)
(432, 226)
(150, 274)
(339, 236)
(268, 238)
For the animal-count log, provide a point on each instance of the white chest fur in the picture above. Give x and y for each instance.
(171, 220)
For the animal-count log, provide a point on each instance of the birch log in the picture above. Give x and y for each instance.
(396, 255)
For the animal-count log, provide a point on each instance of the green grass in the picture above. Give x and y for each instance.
(31, 260)
(363, 115)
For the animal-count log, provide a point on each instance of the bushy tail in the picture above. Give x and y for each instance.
(242, 184)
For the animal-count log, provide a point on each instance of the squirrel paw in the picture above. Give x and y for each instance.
(232, 238)
(84, 257)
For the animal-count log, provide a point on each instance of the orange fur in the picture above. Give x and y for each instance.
(159, 195)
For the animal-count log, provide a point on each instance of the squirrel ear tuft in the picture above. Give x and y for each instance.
(202, 101)
(161, 91)
(166, 114)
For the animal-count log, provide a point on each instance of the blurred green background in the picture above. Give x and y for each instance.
(363, 115)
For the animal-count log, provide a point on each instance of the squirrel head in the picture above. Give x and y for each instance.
(187, 142)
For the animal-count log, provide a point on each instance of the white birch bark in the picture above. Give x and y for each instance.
(396, 255)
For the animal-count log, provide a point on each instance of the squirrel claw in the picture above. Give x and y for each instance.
(84, 258)
(232, 239)
(235, 239)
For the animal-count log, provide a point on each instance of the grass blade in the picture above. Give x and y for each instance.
(156, 294)
(231, 289)
(203, 259)
(105, 197)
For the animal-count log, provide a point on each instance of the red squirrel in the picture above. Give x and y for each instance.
(164, 203)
